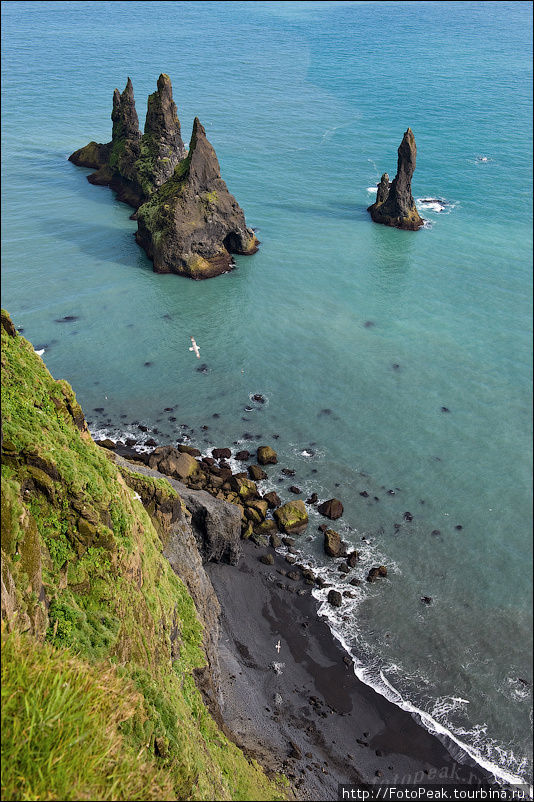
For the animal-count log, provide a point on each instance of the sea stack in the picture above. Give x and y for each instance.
(188, 223)
(394, 205)
(192, 224)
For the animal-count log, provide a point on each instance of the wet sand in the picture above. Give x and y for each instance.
(310, 717)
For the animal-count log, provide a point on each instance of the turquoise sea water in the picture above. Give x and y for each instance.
(306, 104)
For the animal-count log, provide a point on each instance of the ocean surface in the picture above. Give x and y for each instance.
(357, 335)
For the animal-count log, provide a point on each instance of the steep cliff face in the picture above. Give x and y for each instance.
(394, 204)
(192, 224)
(188, 221)
(102, 578)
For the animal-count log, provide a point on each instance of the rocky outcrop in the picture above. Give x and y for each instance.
(192, 225)
(188, 223)
(394, 205)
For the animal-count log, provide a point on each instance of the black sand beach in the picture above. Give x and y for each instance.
(312, 719)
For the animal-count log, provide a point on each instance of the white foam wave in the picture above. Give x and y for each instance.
(40, 352)
(477, 748)
(373, 190)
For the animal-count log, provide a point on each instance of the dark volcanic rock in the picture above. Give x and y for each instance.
(333, 508)
(332, 543)
(192, 224)
(162, 144)
(394, 205)
(335, 598)
(376, 572)
(188, 222)
(273, 499)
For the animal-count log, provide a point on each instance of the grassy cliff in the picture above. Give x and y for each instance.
(100, 639)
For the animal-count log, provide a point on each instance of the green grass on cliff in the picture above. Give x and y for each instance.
(103, 615)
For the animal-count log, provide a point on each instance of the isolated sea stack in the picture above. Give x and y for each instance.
(188, 223)
(394, 205)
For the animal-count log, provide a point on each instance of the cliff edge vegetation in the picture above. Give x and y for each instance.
(102, 644)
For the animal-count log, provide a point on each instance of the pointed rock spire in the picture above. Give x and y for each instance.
(192, 225)
(162, 123)
(383, 189)
(124, 115)
(203, 163)
(394, 204)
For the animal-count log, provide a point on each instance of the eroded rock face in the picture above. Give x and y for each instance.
(188, 222)
(192, 224)
(394, 205)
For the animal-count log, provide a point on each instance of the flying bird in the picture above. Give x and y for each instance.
(194, 347)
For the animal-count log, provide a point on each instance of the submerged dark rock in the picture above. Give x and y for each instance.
(394, 205)
(188, 223)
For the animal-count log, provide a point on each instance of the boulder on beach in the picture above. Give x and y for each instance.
(266, 455)
(292, 517)
(245, 488)
(333, 509)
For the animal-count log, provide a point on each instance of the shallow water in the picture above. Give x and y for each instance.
(306, 104)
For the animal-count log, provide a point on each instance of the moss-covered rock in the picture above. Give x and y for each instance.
(292, 517)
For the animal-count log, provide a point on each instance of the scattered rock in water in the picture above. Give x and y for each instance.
(185, 449)
(436, 532)
(364, 494)
(248, 409)
(333, 509)
(98, 409)
(296, 490)
(459, 527)
(313, 499)
(408, 516)
(445, 409)
(332, 543)
(142, 428)
(325, 412)
(343, 568)
(266, 455)
(258, 398)
(273, 499)
(288, 471)
(221, 453)
(395, 366)
(355, 582)
(334, 598)
(353, 558)
(256, 473)
(369, 324)
(66, 319)
(426, 599)
(215, 415)
(150, 442)
(376, 572)
(172, 419)
(203, 368)
(242, 456)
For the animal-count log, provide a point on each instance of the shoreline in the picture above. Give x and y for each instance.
(310, 717)
(435, 769)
